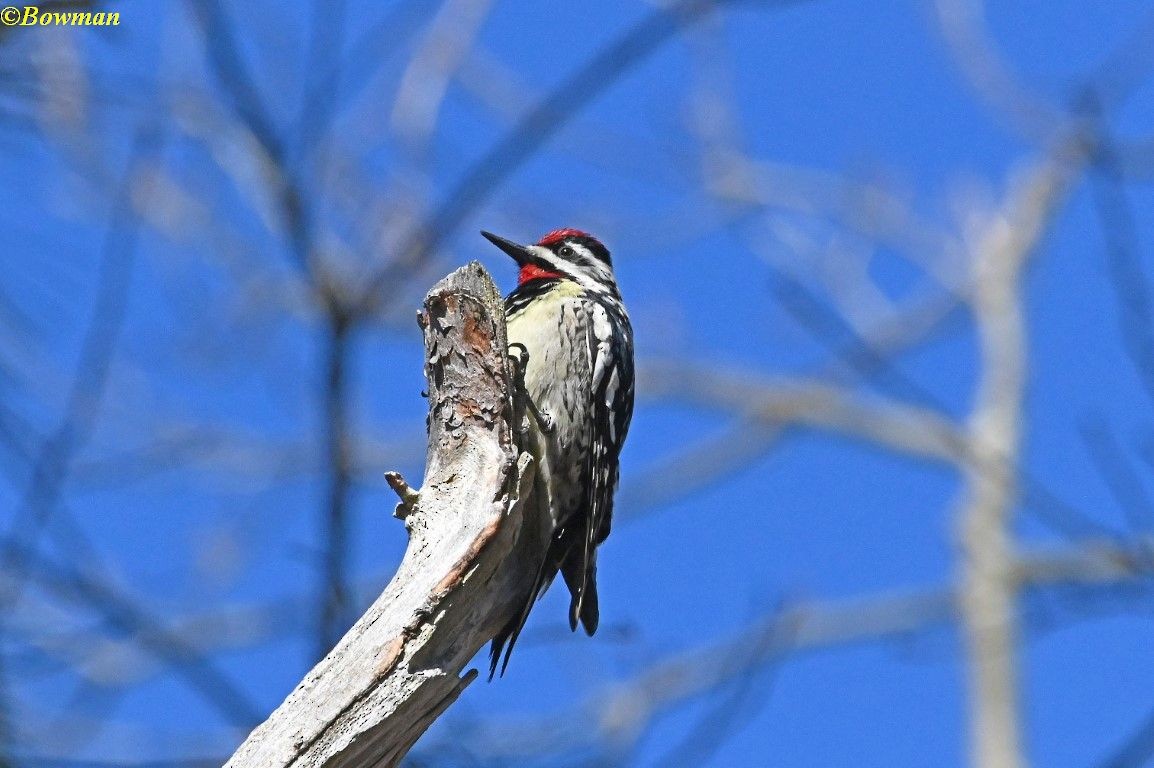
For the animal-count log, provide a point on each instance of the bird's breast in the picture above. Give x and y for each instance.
(554, 330)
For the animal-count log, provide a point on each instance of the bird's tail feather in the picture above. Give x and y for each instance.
(511, 631)
(579, 570)
(572, 553)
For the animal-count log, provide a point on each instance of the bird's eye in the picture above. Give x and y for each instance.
(565, 251)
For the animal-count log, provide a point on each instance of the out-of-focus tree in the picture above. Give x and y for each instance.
(215, 339)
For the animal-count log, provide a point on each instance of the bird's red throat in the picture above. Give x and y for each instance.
(533, 272)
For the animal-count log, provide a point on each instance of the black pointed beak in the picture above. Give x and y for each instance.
(520, 253)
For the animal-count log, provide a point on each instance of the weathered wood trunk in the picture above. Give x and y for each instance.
(469, 562)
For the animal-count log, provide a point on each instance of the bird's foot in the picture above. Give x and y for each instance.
(520, 362)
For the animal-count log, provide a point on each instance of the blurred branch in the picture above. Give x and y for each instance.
(919, 432)
(1087, 562)
(977, 55)
(1123, 481)
(993, 77)
(59, 634)
(199, 673)
(1133, 297)
(617, 716)
(52, 461)
(425, 82)
(1001, 248)
(340, 315)
(746, 441)
(334, 602)
(871, 360)
(227, 64)
(1136, 750)
(1123, 257)
(535, 128)
(242, 459)
(323, 74)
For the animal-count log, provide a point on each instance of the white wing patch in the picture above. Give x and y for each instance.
(603, 341)
(610, 397)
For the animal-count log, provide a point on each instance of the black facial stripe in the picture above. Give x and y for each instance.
(581, 259)
(593, 244)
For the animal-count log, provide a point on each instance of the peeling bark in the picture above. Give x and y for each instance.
(474, 541)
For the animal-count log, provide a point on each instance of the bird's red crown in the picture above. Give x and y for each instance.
(558, 235)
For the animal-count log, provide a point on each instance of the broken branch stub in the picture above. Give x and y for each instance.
(476, 539)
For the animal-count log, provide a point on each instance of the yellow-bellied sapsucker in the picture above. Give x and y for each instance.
(566, 313)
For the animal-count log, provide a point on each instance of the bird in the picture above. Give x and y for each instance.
(567, 319)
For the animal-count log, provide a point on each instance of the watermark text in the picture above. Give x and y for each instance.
(32, 16)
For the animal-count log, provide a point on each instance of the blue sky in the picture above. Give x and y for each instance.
(863, 91)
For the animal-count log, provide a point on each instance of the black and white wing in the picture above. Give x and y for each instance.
(611, 357)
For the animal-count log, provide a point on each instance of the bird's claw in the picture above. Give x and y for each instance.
(522, 356)
(520, 361)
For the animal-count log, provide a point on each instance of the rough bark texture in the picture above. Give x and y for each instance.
(400, 665)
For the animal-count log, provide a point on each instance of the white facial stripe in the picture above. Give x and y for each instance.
(555, 263)
(592, 264)
(581, 275)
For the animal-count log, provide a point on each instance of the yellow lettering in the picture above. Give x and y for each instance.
(31, 16)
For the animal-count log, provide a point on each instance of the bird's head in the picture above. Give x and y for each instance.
(565, 254)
